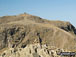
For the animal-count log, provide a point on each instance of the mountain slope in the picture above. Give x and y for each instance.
(24, 29)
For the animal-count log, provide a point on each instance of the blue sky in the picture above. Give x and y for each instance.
(64, 10)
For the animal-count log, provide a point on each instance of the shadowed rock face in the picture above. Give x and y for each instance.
(22, 30)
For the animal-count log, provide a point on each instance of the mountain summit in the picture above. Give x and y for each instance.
(26, 35)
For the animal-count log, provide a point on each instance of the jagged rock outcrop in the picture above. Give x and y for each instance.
(32, 50)
(22, 30)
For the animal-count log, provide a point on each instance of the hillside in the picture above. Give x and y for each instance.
(24, 30)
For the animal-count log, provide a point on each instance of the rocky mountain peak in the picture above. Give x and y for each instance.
(38, 34)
